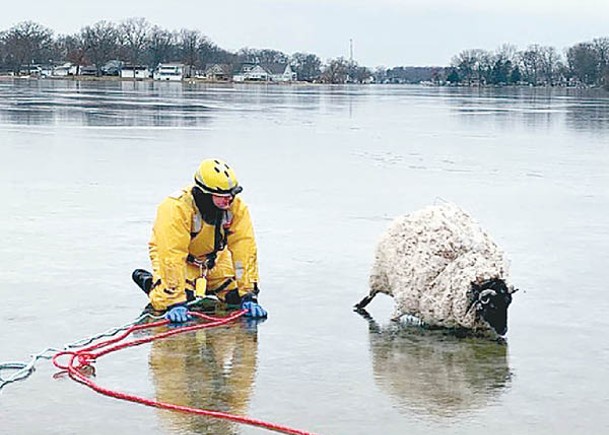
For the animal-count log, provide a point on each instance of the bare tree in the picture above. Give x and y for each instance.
(473, 65)
(506, 52)
(161, 47)
(134, 36)
(25, 44)
(503, 64)
(261, 56)
(357, 73)
(550, 65)
(484, 67)
(465, 64)
(101, 42)
(247, 55)
(601, 45)
(3, 49)
(336, 71)
(72, 49)
(531, 63)
(210, 53)
(190, 42)
(583, 63)
(268, 55)
(306, 66)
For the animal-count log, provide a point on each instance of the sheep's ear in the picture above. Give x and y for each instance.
(512, 290)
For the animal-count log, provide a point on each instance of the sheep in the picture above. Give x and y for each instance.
(441, 267)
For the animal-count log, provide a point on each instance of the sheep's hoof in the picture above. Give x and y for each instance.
(397, 317)
(358, 308)
(362, 312)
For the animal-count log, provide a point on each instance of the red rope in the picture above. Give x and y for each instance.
(87, 355)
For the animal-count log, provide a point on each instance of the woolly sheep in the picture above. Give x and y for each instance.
(442, 268)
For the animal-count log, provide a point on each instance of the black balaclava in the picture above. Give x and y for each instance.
(209, 212)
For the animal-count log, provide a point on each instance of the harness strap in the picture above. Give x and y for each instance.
(221, 287)
(220, 241)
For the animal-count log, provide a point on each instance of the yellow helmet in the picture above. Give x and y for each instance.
(216, 177)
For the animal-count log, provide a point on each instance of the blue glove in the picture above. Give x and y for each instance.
(178, 314)
(254, 310)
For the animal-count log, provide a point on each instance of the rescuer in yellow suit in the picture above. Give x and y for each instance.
(203, 244)
(212, 369)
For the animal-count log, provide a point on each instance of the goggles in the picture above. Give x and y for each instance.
(219, 192)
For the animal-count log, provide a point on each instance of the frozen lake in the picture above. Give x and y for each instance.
(324, 169)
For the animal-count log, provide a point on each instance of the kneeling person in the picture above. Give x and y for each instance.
(203, 244)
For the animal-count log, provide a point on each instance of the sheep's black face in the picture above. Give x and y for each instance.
(492, 299)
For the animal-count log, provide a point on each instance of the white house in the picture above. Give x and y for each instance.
(251, 73)
(217, 72)
(280, 72)
(67, 69)
(267, 72)
(135, 72)
(169, 71)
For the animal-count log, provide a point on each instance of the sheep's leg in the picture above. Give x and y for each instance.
(372, 325)
(362, 304)
(397, 315)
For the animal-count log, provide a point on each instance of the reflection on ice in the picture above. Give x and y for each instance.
(433, 373)
(211, 369)
(537, 108)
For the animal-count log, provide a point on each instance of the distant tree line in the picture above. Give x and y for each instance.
(135, 41)
(583, 64)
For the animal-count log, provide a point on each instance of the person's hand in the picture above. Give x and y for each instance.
(178, 314)
(254, 310)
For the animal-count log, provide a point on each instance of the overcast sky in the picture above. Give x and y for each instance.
(384, 32)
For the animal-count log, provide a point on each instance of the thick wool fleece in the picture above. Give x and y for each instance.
(427, 261)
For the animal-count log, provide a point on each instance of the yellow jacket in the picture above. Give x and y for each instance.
(180, 230)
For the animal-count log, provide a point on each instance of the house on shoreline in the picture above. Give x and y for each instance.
(218, 72)
(138, 72)
(266, 72)
(172, 71)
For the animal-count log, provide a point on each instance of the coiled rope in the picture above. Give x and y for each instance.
(22, 370)
(83, 358)
(92, 349)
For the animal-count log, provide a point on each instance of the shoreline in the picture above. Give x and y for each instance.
(190, 80)
(194, 80)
